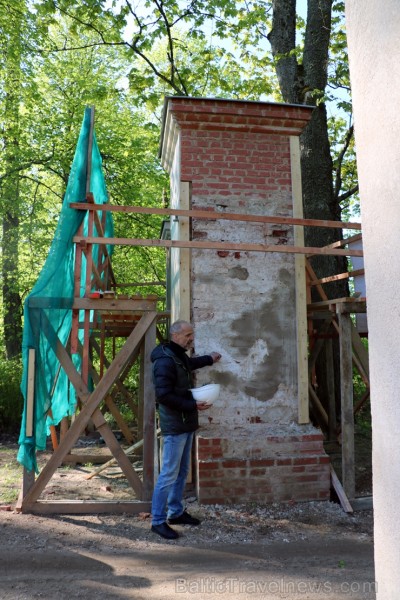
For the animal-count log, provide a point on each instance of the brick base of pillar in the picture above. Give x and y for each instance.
(261, 464)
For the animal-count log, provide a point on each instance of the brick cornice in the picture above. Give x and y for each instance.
(215, 114)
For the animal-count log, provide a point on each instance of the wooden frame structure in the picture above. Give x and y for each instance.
(335, 318)
(136, 319)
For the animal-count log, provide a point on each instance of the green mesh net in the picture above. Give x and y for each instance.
(52, 299)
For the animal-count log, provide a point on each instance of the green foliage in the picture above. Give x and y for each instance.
(11, 400)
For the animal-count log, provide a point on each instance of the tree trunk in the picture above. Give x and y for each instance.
(305, 83)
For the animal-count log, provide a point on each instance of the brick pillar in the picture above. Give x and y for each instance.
(237, 157)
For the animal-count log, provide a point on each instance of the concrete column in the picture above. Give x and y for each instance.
(373, 37)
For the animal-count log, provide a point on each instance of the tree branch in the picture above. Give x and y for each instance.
(348, 194)
(24, 166)
(339, 162)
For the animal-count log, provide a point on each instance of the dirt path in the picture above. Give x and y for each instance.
(310, 551)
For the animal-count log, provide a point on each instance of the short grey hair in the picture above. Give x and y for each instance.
(178, 326)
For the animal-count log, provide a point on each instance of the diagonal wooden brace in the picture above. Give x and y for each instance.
(90, 406)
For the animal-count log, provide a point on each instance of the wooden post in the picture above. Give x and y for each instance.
(301, 288)
(30, 393)
(64, 426)
(28, 477)
(330, 386)
(185, 254)
(149, 428)
(181, 257)
(141, 392)
(347, 417)
(77, 288)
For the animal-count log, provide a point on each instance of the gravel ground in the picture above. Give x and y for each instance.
(298, 551)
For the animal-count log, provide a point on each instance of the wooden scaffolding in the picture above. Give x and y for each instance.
(137, 320)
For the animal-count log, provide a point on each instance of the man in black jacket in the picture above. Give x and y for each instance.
(172, 374)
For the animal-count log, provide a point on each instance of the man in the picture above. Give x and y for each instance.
(172, 375)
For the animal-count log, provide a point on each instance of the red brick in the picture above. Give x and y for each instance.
(257, 472)
(209, 484)
(203, 453)
(324, 495)
(208, 466)
(203, 441)
(311, 460)
(261, 462)
(212, 500)
(232, 463)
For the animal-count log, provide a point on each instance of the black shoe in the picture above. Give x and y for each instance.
(184, 519)
(165, 531)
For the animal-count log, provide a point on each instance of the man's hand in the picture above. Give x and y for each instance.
(215, 356)
(203, 405)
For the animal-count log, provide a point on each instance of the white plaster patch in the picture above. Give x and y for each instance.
(257, 353)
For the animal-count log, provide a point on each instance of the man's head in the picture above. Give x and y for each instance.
(181, 332)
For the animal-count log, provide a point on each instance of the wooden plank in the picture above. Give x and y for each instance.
(112, 461)
(208, 245)
(316, 349)
(148, 414)
(184, 234)
(119, 382)
(344, 501)
(115, 304)
(312, 277)
(64, 426)
(330, 388)
(28, 481)
(362, 401)
(127, 433)
(361, 352)
(303, 406)
(84, 459)
(141, 392)
(213, 215)
(345, 241)
(120, 456)
(88, 288)
(110, 278)
(92, 401)
(111, 404)
(355, 303)
(30, 393)
(363, 503)
(84, 507)
(47, 302)
(347, 416)
(317, 403)
(346, 275)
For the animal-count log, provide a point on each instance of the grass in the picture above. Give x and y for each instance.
(10, 476)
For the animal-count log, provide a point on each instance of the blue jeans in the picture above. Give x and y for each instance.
(171, 481)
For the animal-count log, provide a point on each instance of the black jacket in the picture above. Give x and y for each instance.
(172, 376)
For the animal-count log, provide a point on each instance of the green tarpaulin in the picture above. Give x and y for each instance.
(56, 281)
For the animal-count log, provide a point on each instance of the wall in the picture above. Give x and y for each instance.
(261, 464)
(373, 37)
(244, 302)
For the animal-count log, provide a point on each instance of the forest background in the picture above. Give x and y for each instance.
(124, 57)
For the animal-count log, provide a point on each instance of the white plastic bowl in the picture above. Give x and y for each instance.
(206, 393)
